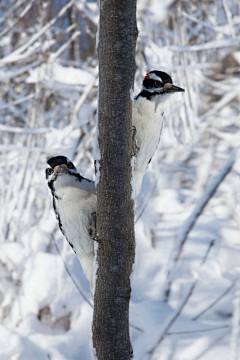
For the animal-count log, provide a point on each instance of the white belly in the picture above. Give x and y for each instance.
(75, 211)
(148, 122)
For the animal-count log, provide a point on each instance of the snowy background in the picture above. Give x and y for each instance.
(186, 282)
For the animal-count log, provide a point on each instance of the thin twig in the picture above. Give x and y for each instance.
(20, 17)
(208, 194)
(206, 46)
(211, 244)
(198, 331)
(12, 104)
(14, 73)
(25, 130)
(172, 318)
(229, 18)
(214, 302)
(69, 273)
(191, 220)
(226, 99)
(14, 8)
(15, 54)
(203, 23)
(136, 328)
(234, 342)
(82, 99)
(149, 197)
(200, 356)
(23, 148)
(53, 56)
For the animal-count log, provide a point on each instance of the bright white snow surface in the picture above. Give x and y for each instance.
(49, 108)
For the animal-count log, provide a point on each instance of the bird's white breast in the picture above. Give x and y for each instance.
(148, 120)
(75, 206)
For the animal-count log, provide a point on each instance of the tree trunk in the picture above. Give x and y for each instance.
(115, 215)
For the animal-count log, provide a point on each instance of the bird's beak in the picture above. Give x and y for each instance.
(60, 169)
(170, 88)
(174, 88)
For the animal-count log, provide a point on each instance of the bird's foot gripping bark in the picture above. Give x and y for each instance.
(135, 148)
(93, 227)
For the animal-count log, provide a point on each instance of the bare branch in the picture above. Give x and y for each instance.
(208, 194)
(82, 99)
(146, 203)
(16, 55)
(203, 23)
(218, 44)
(211, 345)
(20, 17)
(69, 273)
(25, 130)
(227, 98)
(229, 18)
(53, 56)
(172, 318)
(198, 331)
(214, 302)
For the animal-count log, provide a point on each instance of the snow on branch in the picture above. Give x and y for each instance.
(203, 23)
(53, 56)
(218, 44)
(20, 17)
(226, 99)
(83, 98)
(16, 55)
(25, 130)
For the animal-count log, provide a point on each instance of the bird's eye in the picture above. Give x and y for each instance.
(70, 165)
(49, 171)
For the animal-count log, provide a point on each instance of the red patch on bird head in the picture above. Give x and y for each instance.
(147, 75)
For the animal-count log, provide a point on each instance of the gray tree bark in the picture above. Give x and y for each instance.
(115, 215)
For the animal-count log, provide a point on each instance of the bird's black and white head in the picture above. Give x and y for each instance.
(158, 83)
(61, 170)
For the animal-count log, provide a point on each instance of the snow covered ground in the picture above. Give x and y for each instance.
(185, 289)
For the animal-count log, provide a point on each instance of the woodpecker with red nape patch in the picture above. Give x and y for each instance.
(75, 206)
(147, 120)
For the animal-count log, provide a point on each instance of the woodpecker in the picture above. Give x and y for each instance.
(147, 120)
(75, 204)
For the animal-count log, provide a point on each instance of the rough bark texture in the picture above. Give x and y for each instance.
(115, 215)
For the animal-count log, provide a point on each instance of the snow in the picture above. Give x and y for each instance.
(189, 206)
(58, 73)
